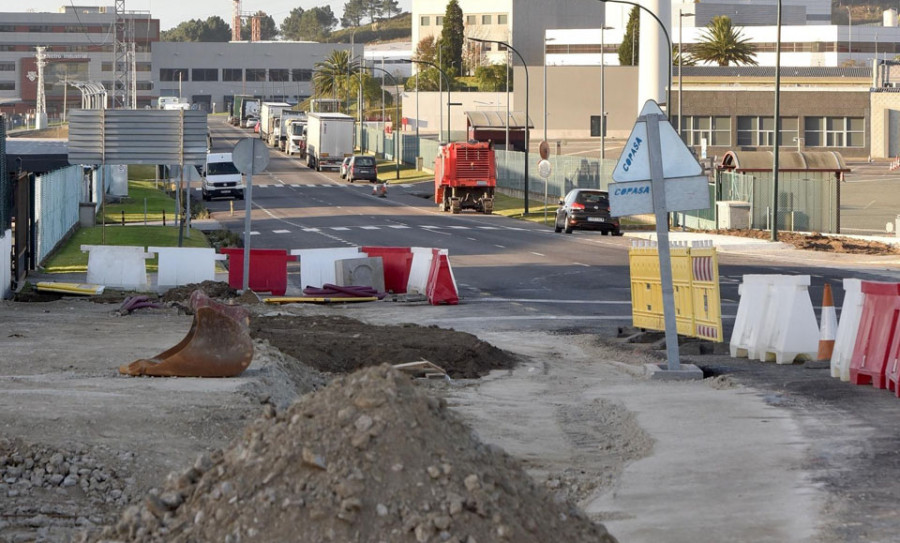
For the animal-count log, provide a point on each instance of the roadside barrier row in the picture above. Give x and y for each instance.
(775, 320)
(415, 270)
(695, 281)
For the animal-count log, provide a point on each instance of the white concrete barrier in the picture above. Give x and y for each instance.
(117, 266)
(418, 273)
(848, 326)
(790, 329)
(317, 265)
(185, 265)
(754, 291)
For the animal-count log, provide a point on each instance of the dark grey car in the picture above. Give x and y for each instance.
(586, 209)
(362, 167)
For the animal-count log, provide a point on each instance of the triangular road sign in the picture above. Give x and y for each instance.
(677, 159)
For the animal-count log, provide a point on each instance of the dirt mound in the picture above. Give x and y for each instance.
(818, 242)
(343, 345)
(369, 458)
(214, 289)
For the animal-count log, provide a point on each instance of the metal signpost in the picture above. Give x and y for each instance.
(250, 156)
(657, 173)
(544, 170)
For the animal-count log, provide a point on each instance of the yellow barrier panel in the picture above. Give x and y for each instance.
(695, 282)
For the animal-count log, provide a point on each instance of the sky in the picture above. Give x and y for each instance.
(172, 12)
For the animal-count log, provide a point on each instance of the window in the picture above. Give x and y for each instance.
(232, 74)
(439, 20)
(760, 131)
(278, 74)
(205, 74)
(7, 66)
(501, 19)
(301, 74)
(485, 19)
(7, 85)
(7, 28)
(40, 28)
(172, 74)
(144, 85)
(143, 66)
(834, 131)
(424, 20)
(716, 130)
(471, 20)
(256, 74)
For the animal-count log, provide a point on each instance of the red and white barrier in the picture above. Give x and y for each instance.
(117, 266)
(180, 266)
(317, 265)
(441, 288)
(754, 293)
(875, 337)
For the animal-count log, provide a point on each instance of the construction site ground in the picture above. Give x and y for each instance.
(713, 460)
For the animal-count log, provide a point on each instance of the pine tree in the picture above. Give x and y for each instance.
(629, 50)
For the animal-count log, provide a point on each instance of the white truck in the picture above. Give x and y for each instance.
(329, 138)
(269, 112)
(292, 132)
(221, 177)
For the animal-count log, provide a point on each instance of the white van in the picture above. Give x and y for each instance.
(221, 177)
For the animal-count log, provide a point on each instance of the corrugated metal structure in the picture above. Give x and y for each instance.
(148, 136)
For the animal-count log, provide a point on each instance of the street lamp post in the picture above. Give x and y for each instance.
(603, 29)
(681, 17)
(849, 35)
(514, 50)
(668, 42)
(447, 78)
(777, 113)
(546, 39)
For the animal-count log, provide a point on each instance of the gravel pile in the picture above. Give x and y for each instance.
(25, 468)
(369, 458)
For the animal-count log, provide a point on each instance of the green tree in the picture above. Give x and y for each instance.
(317, 23)
(389, 8)
(268, 30)
(354, 11)
(290, 27)
(493, 78)
(213, 29)
(452, 37)
(334, 75)
(629, 49)
(430, 79)
(722, 44)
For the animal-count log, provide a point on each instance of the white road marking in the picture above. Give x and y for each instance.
(500, 246)
(539, 254)
(370, 227)
(397, 226)
(580, 264)
(281, 231)
(312, 230)
(339, 228)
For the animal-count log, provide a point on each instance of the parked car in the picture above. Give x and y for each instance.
(362, 167)
(345, 166)
(586, 209)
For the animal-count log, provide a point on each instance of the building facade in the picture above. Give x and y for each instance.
(80, 46)
(209, 75)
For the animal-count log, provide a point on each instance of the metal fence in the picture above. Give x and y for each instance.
(807, 201)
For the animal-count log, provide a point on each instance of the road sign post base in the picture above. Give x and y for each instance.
(660, 372)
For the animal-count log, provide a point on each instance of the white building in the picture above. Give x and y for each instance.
(392, 57)
(807, 45)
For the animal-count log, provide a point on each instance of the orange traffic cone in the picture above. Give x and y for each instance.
(828, 328)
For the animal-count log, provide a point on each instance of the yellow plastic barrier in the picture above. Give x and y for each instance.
(695, 282)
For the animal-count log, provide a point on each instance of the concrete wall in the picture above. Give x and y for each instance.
(885, 141)
(573, 95)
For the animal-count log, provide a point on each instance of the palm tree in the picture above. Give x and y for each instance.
(333, 76)
(723, 45)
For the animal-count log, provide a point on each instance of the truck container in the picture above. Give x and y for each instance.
(329, 138)
(242, 107)
(293, 133)
(269, 117)
(465, 176)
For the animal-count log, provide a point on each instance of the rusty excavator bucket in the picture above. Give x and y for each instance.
(217, 345)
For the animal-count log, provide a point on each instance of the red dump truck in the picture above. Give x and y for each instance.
(465, 176)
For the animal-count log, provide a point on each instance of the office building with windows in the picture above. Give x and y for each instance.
(209, 75)
(80, 46)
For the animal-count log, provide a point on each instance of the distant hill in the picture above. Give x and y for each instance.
(394, 29)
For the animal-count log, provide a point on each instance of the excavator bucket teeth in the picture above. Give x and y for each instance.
(217, 345)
